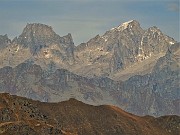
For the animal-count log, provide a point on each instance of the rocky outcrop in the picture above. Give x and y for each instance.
(23, 116)
(4, 41)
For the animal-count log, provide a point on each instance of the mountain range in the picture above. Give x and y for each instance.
(133, 68)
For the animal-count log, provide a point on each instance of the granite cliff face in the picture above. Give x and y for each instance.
(24, 116)
(135, 69)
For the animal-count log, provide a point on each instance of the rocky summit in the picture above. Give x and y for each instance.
(24, 116)
(40, 44)
(120, 48)
(130, 67)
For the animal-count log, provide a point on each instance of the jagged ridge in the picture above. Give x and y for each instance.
(120, 53)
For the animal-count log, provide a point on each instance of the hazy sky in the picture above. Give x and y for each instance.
(85, 19)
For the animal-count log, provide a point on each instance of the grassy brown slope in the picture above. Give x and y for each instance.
(24, 116)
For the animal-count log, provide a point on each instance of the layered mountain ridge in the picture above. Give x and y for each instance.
(135, 69)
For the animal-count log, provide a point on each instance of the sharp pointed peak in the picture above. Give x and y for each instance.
(38, 28)
(37, 25)
(131, 21)
(128, 24)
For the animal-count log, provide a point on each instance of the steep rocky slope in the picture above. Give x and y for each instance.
(23, 116)
(155, 94)
(120, 48)
(40, 44)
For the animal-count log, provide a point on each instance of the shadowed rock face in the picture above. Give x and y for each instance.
(24, 116)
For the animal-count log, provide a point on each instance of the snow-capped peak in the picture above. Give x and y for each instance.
(130, 24)
(171, 42)
(125, 25)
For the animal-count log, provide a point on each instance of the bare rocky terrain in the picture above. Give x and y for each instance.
(24, 116)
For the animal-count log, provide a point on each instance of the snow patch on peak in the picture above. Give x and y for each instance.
(129, 24)
(113, 28)
(125, 25)
(171, 43)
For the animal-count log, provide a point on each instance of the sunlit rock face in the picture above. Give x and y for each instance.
(120, 48)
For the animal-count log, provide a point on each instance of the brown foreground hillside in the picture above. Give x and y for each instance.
(22, 116)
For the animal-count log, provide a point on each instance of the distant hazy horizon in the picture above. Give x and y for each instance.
(84, 19)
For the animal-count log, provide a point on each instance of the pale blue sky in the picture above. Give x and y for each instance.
(85, 19)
